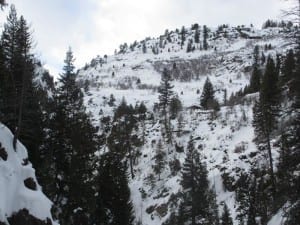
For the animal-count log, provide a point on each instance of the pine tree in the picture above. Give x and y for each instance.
(176, 218)
(263, 58)
(278, 65)
(265, 112)
(207, 99)
(180, 125)
(3, 82)
(73, 140)
(294, 132)
(166, 93)
(111, 101)
(4, 86)
(226, 218)
(197, 35)
(189, 47)
(182, 36)
(144, 47)
(255, 80)
(142, 110)
(9, 48)
(24, 80)
(205, 37)
(123, 139)
(175, 107)
(289, 66)
(290, 149)
(198, 199)
(159, 159)
(20, 98)
(285, 163)
(256, 73)
(113, 202)
(252, 213)
(242, 196)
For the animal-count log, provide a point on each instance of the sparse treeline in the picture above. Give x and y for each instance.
(199, 41)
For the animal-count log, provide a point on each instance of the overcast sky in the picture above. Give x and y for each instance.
(98, 27)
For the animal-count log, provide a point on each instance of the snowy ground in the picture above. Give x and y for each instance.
(14, 195)
(226, 142)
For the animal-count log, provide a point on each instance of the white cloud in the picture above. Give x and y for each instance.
(93, 27)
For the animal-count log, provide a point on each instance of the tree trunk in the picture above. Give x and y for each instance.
(20, 113)
(273, 180)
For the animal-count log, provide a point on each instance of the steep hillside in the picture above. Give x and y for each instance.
(227, 63)
(224, 138)
(22, 200)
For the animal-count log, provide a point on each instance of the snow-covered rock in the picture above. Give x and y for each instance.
(21, 198)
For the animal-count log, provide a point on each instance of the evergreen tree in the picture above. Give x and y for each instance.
(165, 94)
(176, 218)
(189, 47)
(161, 42)
(205, 37)
(113, 202)
(278, 65)
(197, 35)
(285, 164)
(265, 112)
(20, 98)
(182, 36)
(159, 159)
(256, 73)
(23, 80)
(289, 66)
(207, 99)
(123, 139)
(254, 198)
(242, 197)
(226, 218)
(293, 133)
(3, 82)
(175, 107)
(263, 58)
(142, 110)
(180, 125)
(251, 217)
(111, 101)
(255, 80)
(12, 64)
(198, 199)
(73, 141)
(144, 47)
(290, 145)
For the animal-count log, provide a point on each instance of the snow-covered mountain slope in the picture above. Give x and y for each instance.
(43, 80)
(136, 75)
(21, 198)
(224, 139)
